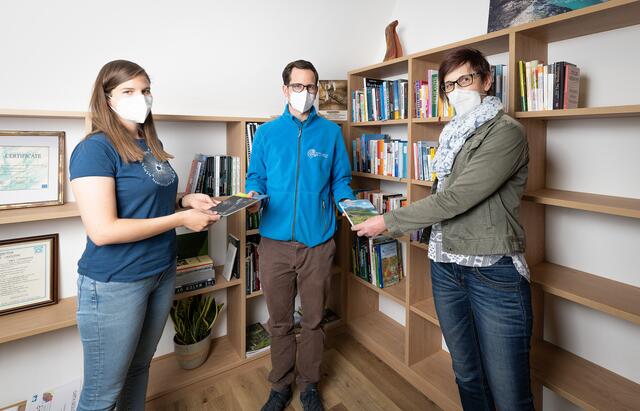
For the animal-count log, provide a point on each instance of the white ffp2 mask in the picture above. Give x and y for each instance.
(463, 101)
(302, 101)
(134, 108)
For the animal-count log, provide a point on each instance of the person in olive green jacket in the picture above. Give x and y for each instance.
(479, 277)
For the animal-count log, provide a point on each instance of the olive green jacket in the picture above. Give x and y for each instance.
(479, 206)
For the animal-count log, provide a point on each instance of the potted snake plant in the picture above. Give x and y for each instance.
(193, 318)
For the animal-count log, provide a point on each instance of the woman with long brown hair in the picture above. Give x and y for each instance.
(126, 191)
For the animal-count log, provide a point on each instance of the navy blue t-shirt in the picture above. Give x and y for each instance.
(144, 189)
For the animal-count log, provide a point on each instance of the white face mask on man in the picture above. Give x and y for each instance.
(134, 108)
(302, 101)
(463, 101)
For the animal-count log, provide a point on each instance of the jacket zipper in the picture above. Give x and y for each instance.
(295, 193)
(324, 219)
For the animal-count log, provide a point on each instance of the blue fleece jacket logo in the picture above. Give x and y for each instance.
(312, 153)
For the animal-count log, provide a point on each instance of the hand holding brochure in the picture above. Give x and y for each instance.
(236, 203)
(358, 211)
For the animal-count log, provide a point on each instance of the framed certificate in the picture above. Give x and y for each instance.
(31, 168)
(28, 273)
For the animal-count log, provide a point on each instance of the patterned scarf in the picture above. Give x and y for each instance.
(458, 130)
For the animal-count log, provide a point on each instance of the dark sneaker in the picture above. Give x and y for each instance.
(278, 400)
(310, 399)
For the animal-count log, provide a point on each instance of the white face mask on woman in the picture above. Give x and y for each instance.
(463, 101)
(133, 108)
(302, 101)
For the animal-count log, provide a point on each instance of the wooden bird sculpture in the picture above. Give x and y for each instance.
(394, 48)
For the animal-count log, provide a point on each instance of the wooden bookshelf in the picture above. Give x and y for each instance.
(420, 245)
(381, 123)
(431, 120)
(380, 335)
(221, 284)
(435, 375)
(255, 294)
(428, 368)
(619, 206)
(38, 321)
(427, 310)
(421, 182)
(19, 113)
(582, 382)
(24, 215)
(632, 110)
(396, 292)
(611, 297)
(379, 177)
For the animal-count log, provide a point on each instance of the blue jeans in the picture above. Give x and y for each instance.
(486, 319)
(120, 325)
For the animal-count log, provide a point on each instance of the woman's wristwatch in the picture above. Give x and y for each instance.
(180, 202)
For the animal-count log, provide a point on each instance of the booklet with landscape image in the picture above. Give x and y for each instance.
(358, 211)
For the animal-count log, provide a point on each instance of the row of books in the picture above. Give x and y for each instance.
(253, 221)
(423, 154)
(382, 202)
(252, 261)
(380, 154)
(380, 100)
(378, 260)
(500, 84)
(421, 235)
(548, 86)
(251, 128)
(429, 104)
(214, 175)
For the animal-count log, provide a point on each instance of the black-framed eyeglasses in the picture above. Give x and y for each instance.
(297, 87)
(463, 81)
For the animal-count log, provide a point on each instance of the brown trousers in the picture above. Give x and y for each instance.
(287, 267)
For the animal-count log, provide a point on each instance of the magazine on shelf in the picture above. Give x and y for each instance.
(258, 339)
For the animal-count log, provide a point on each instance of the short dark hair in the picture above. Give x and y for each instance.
(456, 58)
(300, 65)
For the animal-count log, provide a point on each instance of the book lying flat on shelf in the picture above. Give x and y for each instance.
(194, 280)
(236, 203)
(258, 339)
(358, 211)
(201, 262)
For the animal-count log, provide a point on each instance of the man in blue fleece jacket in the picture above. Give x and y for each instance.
(300, 161)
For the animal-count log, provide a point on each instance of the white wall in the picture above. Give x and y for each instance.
(217, 58)
(598, 156)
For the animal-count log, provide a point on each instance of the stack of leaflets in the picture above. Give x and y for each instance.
(63, 398)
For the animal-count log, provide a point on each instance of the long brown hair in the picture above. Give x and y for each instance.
(105, 120)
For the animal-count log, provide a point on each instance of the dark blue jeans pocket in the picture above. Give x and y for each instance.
(502, 275)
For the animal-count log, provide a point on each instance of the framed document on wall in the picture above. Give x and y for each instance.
(28, 273)
(32, 165)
